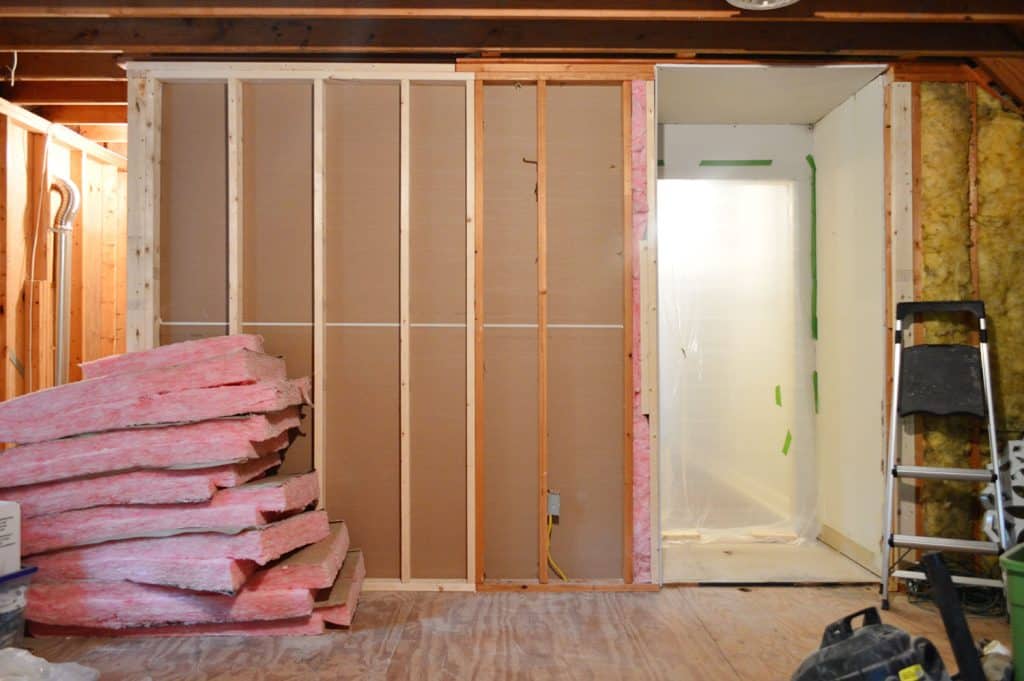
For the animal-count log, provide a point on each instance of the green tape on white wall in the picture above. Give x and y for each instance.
(787, 443)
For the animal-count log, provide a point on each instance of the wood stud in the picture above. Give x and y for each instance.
(471, 392)
(236, 254)
(404, 333)
(478, 322)
(542, 332)
(319, 327)
(627, 332)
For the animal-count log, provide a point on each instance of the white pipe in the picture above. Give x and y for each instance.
(70, 200)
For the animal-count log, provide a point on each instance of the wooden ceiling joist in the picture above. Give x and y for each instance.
(1007, 74)
(63, 66)
(83, 115)
(703, 10)
(324, 36)
(33, 93)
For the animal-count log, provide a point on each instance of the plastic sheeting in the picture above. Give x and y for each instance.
(736, 359)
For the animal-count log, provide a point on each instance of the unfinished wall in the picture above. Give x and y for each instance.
(948, 509)
(32, 158)
(956, 121)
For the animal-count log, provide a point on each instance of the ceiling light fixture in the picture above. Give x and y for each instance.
(761, 4)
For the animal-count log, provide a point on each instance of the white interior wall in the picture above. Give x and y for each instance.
(848, 150)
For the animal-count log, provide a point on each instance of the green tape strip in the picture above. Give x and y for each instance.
(814, 380)
(787, 443)
(739, 162)
(814, 246)
(778, 395)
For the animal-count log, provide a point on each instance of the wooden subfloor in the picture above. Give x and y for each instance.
(714, 633)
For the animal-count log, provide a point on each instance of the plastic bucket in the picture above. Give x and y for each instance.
(13, 595)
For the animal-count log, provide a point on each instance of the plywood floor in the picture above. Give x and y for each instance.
(713, 633)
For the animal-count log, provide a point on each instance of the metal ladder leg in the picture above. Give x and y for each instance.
(993, 442)
(888, 520)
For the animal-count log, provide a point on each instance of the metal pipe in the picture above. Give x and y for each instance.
(63, 220)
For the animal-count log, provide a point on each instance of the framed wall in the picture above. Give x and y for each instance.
(356, 246)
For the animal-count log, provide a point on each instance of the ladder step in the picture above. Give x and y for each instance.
(908, 541)
(965, 581)
(941, 473)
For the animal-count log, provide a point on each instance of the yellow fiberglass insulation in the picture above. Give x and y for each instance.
(949, 509)
(1001, 251)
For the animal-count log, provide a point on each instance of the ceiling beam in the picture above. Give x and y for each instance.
(704, 10)
(33, 93)
(83, 115)
(1008, 75)
(63, 66)
(325, 36)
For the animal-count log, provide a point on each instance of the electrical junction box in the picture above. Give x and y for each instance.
(10, 537)
(554, 504)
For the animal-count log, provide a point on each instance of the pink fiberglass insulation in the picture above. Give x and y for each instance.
(240, 366)
(124, 604)
(313, 567)
(176, 353)
(312, 625)
(259, 545)
(230, 511)
(339, 606)
(276, 494)
(197, 445)
(221, 575)
(641, 424)
(140, 487)
(185, 406)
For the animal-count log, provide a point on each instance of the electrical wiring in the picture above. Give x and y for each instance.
(551, 560)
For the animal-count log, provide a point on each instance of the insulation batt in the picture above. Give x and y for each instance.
(21, 415)
(260, 545)
(339, 606)
(123, 604)
(220, 575)
(176, 353)
(1001, 250)
(196, 404)
(230, 511)
(949, 508)
(198, 445)
(141, 487)
(313, 567)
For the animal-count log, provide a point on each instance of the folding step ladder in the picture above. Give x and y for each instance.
(940, 380)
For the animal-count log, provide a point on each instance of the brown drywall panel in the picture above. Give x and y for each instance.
(193, 202)
(585, 449)
(510, 454)
(510, 204)
(437, 238)
(277, 197)
(361, 187)
(438, 452)
(295, 345)
(584, 126)
(362, 448)
(179, 334)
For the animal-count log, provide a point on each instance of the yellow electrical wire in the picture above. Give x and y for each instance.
(551, 560)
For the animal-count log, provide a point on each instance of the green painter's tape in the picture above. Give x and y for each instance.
(778, 395)
(787, 443)
(814, 246)
(738, 162)
(814, 379)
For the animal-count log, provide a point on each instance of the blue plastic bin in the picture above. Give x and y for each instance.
(13, 594)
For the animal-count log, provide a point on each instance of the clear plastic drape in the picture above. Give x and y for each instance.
(737, 447)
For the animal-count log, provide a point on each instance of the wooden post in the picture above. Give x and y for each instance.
(542, 332)
(470, 331)
(404, 333)
(236, 255)
(143, 211)
(319, 326)
(478, 320)
(5, 307)
(627, 332)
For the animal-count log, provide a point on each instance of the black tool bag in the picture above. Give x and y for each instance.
(874, 652)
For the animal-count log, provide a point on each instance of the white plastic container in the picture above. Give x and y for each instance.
(13, 596)
(10, 537)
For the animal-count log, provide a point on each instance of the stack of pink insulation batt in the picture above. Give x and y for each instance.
(151, 505)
